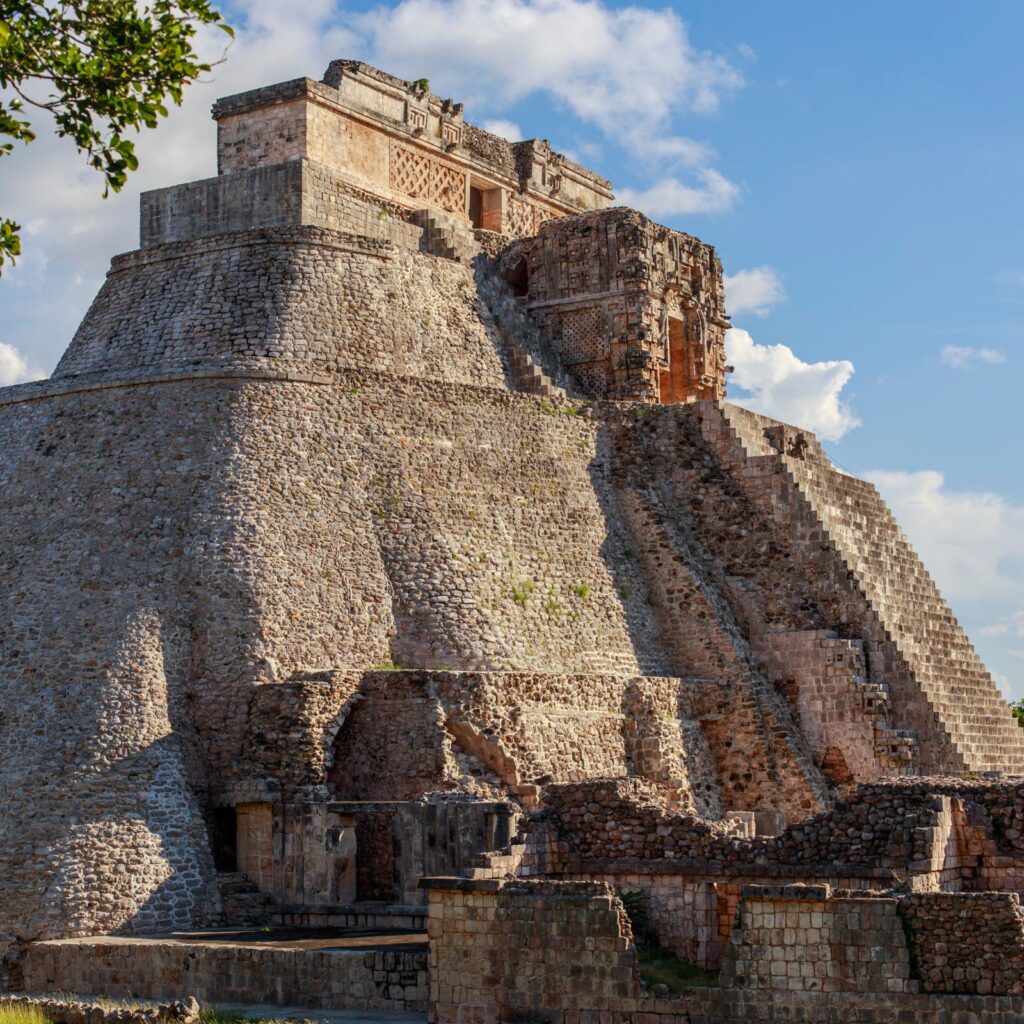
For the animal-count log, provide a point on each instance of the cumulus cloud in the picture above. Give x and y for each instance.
(781, 385)
(15, 368)
(1008, 625)
(757, 290)
(628, 71)
(962, 357)
(506, 129)
(671, 197)
(611, 67)
(972, 541)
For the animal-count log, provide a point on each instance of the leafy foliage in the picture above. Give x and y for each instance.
(1017, 707)
(102, 69)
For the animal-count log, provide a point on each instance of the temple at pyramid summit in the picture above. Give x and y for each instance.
(395, 616)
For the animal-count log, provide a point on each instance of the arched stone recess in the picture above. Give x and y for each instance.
(292, 730)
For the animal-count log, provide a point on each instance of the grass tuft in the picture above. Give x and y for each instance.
(22, 1015)
(658, 966)
(211, 1015)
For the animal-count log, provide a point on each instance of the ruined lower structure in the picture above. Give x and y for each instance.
(382, 556)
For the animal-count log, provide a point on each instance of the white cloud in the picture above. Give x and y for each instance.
(506, 129)
(71, 231)
(962, 357)
(757, 291)
(628, 71)
(14, 367)
(783, 386)
(1009, 625)
(972, 541)
(604, 64)
(671, 197)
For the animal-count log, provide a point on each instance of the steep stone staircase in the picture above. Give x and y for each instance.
(446, 236)
(850, 518)
(708, 641)
(533, 368)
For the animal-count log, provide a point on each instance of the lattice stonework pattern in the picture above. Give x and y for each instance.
(520, 221)
(447, 187)
(410, 172)
(419, 177)
(584, 335)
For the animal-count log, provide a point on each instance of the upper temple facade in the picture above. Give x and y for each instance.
(631, 309)
(395, 618)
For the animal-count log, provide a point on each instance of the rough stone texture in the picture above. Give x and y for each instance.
(632, 309)
(966, 942)
(243, 301)
(292, 193)
(73, 1011)
(410, 147)
(797, 939)
(563, 953)
(319, 575)
(230, 973)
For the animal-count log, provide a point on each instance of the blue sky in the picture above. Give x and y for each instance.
(857, 165)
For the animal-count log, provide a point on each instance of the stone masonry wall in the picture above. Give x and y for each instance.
(224, 973)
(518, 951)
(795, 938)
(881, 832)
(631, 309)
(513, 732)
(298, 192)
(242, 300)
(200, 538)
(966, 942)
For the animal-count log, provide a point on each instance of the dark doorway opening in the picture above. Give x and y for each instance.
(518, 277)
(224, 838)
(476, 206)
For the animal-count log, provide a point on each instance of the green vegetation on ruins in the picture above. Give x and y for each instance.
(659, 966)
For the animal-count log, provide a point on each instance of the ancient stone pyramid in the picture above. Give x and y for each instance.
(387, 488)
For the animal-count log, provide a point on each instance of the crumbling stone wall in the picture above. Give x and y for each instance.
(514, 951)
(415, 732)
(884, 832)
(504, 969)
(845, 718)
(222, 973)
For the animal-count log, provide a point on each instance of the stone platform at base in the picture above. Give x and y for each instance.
(314, 970)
